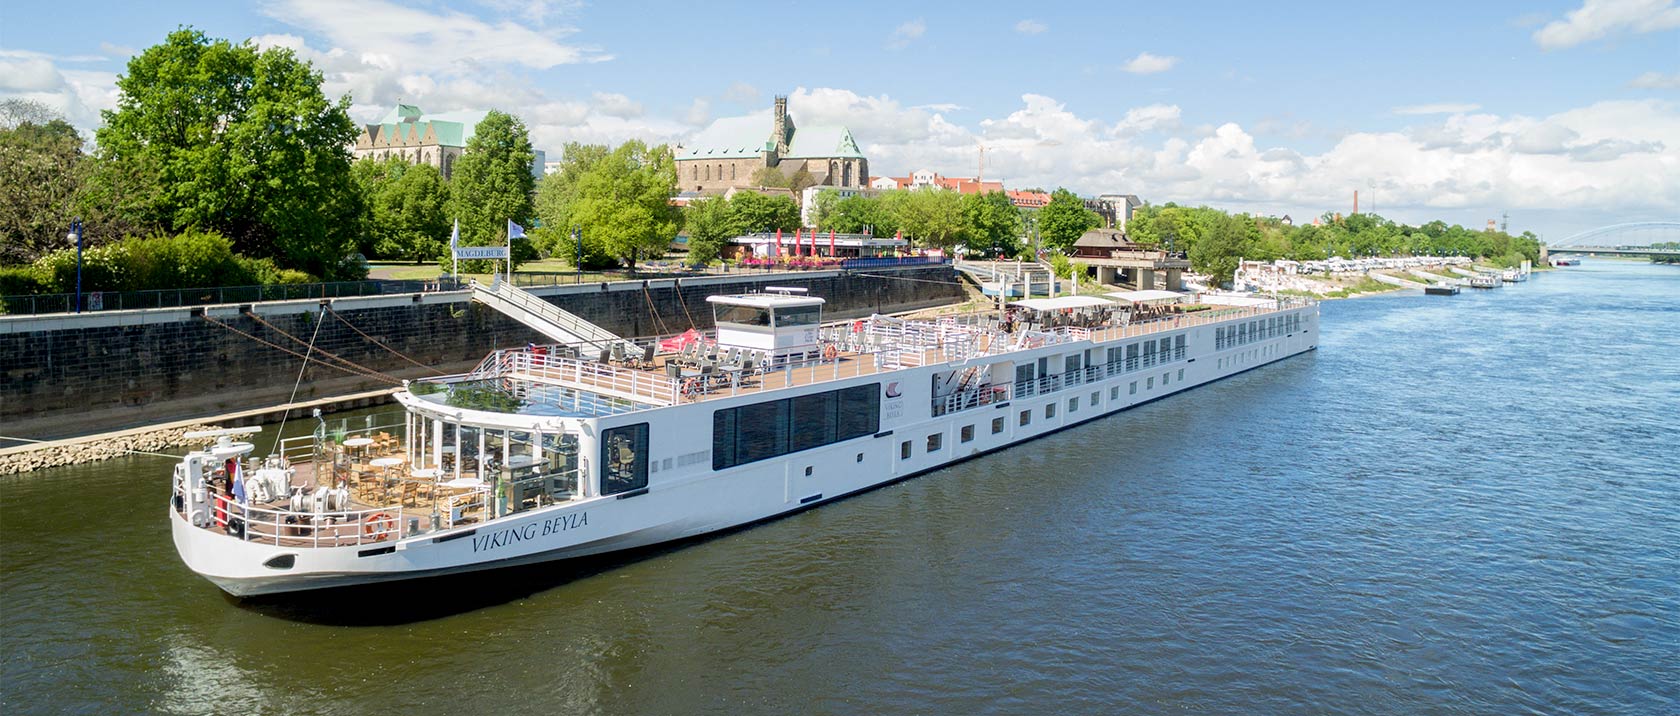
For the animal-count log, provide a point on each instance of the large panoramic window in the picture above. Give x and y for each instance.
(624, 459)
(799, 316)
(743, 315)
(778, 427)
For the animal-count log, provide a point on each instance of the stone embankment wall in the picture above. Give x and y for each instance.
(105, 448)
(76, 375)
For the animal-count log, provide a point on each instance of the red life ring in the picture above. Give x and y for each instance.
(379, 526)
(829, 352)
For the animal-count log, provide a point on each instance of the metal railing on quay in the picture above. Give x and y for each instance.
(182, 297)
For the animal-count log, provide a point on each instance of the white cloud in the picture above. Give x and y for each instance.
(1596, 19)
(1030, 27)
(613, 104)
(699, 113)
(1146, 64)
(29, 74)
(1149, 118)
(741, 93)
(78, 95)
(1656, 80)
(1438, 108)
(413, 37)
(1606, 157)
(905, 33)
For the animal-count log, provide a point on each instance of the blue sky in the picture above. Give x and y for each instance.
(1565, 113)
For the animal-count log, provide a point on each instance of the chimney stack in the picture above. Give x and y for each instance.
(1355, 201)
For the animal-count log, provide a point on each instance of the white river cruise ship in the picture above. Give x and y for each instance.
(552, 452)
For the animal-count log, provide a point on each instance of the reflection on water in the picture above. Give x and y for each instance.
(1459, 504)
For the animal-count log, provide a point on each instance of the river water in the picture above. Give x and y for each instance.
(1460, 505)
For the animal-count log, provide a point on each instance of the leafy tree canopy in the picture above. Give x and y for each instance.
(243, 143)
(1065, 219)
(623, 201)
(492, 181)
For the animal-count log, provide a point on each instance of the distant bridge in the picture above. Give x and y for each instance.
(1631, 239)
(1637, 234)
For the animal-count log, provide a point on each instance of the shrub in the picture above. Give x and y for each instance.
(20, 281)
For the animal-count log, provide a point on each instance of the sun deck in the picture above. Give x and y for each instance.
(851, 349)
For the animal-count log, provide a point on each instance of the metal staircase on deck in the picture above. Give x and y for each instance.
(993, 277)
(546, 318)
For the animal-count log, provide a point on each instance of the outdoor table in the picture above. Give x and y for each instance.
(384, 464)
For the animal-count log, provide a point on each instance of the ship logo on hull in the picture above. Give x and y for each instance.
(892, 390)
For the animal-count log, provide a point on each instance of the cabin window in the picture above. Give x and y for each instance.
(1114, 393)
(967, 433)
(815, 420)
(624, 459)
(799, 316)
(1094, 397)
(1180, 375)
(935, 442)
(1178, 344)
(1050, 411)
(1026, 417)
(1071, 363)
(997, 425)
(1134, 388)
(1151, 384)
(743, 315)
(904, 450)
(770, 429)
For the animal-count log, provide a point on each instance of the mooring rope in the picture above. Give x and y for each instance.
(287, 413)
(345, 361)
(376, 342)
(279, 347)
(657, 321)
(677, 287)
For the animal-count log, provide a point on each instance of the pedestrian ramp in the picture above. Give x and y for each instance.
(558, 324)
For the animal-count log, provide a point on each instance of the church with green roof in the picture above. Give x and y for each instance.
(408, 133)
(726, 155)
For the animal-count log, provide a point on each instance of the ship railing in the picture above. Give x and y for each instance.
(629, 383)
(306, 449)
(311, 529)
(970, 398)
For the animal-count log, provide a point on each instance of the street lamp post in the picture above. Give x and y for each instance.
(577, 236)
(76, 236)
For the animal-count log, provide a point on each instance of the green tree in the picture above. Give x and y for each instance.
(769, 178)
(1227, 240)
(624, 202)
(1065, 219)
(994, 224)
(41, 167)
(711, 224)
(800, 180)
(243, 143)
(754, 212)
(559, 192)
(412, 209)
(857, 213)
(934, 217)
(492, 182)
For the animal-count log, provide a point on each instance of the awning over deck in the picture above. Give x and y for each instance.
(1061, 302)
(1147, 296)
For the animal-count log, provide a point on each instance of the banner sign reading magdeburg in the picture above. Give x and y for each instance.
(481, 252)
